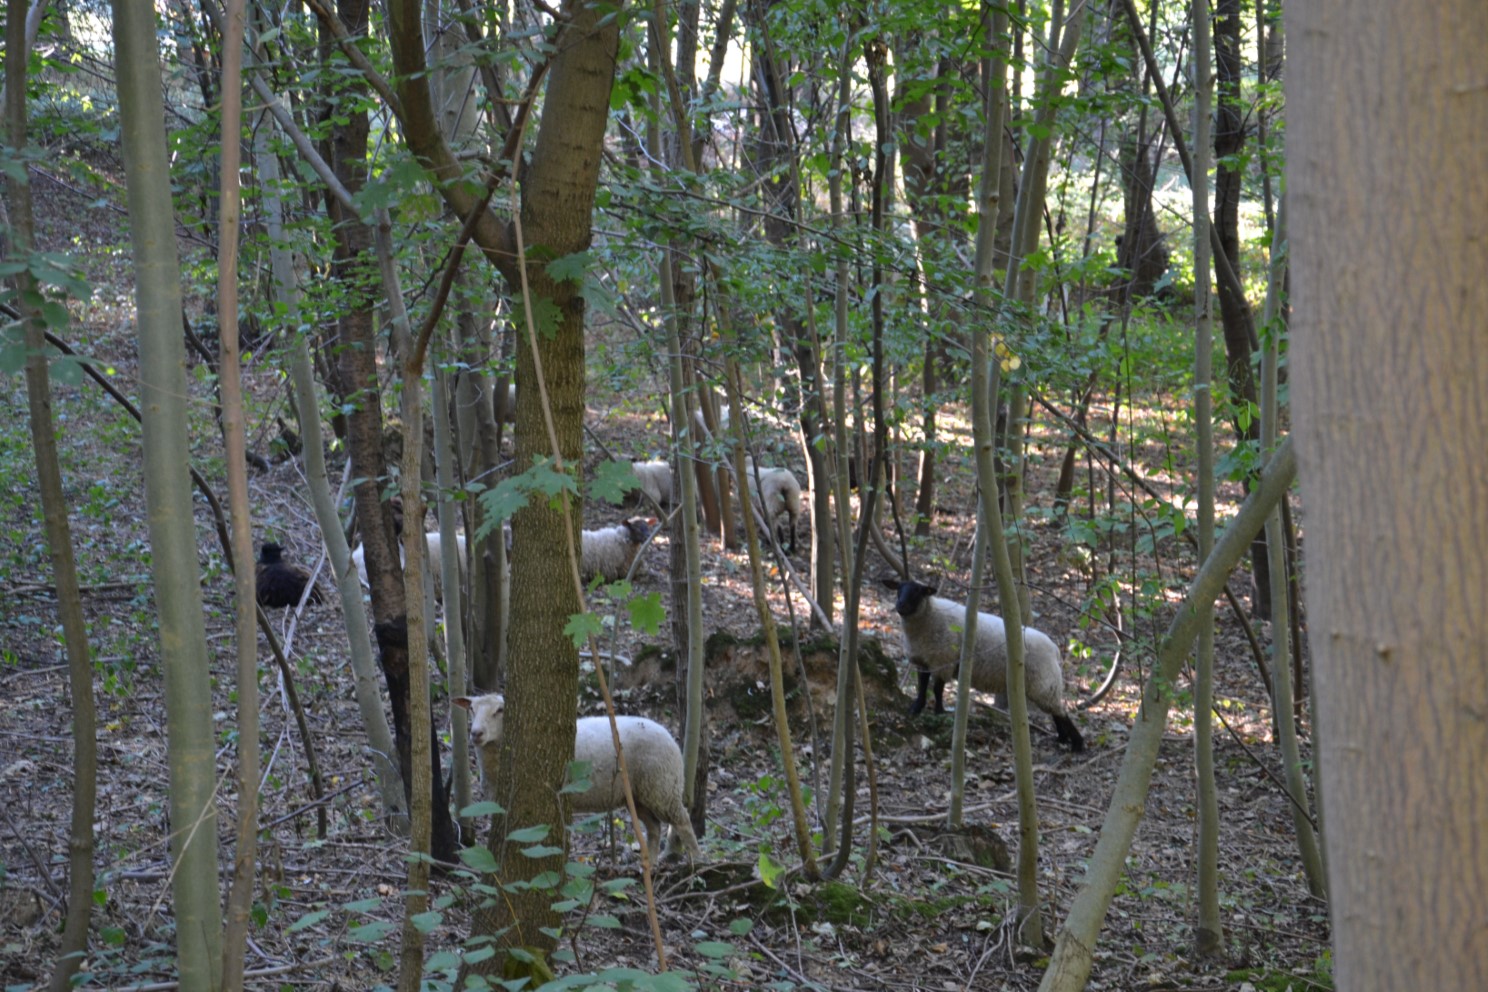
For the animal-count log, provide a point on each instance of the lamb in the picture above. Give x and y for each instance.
(652, 759)
(656, 480)
(610, 551)
(932, 637)
(278, 583)
(433, 541)
(776, 492)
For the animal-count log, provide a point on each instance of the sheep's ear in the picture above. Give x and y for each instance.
(890, 582)
(462, 701)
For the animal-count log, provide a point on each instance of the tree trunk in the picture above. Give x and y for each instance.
(355, 267)
(542, 678)
(1240, 338)
(20, 242)
(1069, 967)
(191, 742)
(1389, 377)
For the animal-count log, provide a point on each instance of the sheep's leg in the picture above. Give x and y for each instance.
(923, 675)
(1067, 732)
(652, 823)
(940, 694)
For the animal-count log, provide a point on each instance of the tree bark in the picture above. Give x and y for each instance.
(17, 219)
(178, 598)
(1389, 377)
(557, 204)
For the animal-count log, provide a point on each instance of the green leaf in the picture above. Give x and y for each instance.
(571, 268)
(426, 922)
(309, 920)
(541, 851)
(647, 613)
(483, 808)
(529, 835)
(582, 626)
(716, 949)
(612, 480)
(576, 777)
(741, 926)
(479, 859)
(768, 870)
(366, 934)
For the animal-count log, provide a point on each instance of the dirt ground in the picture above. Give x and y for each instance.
(931, 915)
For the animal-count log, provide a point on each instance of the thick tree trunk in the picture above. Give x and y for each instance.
(1390, 374)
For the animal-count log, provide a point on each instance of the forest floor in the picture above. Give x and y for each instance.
(932, 915)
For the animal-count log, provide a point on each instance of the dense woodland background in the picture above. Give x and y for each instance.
(456, 267)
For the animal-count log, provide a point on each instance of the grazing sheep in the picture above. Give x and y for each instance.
(656, 480)
(610, 551)
(652, 759)
(777, 493)
(433, 541)
(932, 636)
(278, 583)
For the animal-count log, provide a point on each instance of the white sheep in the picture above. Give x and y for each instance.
(609, 551)
(932, 637)
(702, 426)
(656, 480)
(433, 541)
(652, 759)
(776, 492)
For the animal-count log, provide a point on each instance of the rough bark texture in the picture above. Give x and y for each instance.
(1389, 385)
(356, 386)
(542, 678)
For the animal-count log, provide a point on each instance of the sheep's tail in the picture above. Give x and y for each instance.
(1068, 732)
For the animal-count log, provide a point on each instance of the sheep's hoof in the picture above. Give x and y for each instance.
(916, 707)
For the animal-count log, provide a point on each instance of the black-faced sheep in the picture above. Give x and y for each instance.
(656, 480)
(652, 759)
(279, 583)
(609, 551)
(434, 543)
(932, 637)
(777, 493)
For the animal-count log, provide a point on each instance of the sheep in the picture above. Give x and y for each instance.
(610, 551)
(656, 480)
(775, 491)
(278, 583)
(703, 433)
(932, 637)
(652, 759)
(433, 541)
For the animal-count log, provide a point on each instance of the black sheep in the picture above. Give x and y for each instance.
(280, 583)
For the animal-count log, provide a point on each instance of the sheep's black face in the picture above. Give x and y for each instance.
(911, 595)
(271, 554)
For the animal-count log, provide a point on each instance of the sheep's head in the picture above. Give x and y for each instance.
(486, 713)
(639, 528)
(910, 595)
(270, 554)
